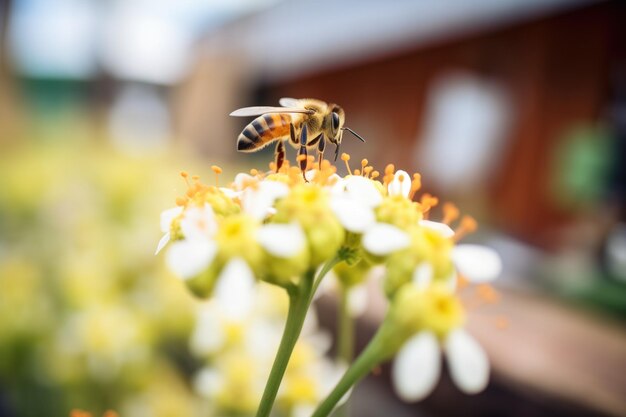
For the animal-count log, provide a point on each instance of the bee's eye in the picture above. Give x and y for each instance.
(335, 121)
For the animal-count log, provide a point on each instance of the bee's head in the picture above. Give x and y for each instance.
(336, 123)
(336, 119)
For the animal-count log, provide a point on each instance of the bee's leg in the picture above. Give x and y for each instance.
(279, 154)
(302, 154)
(320, 150)
(292, 134)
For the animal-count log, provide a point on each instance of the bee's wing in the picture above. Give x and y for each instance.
(289, 102)
(258, 110)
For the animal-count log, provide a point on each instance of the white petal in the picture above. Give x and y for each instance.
(208, 335)
(442, 228)
(208, 382)
(258, 202)
(187, 258)
(352, 215)
(230, 193)
(234, 291)
(417, 367)
(282, 240)
(198, 222)
(302, 410)
(357, 300)
(241, 179)
(383, 239)
(362, 190)
(477, 263)
(168, 216)
(469, 366)
(423, 275)
(397, 187)
(162, 242)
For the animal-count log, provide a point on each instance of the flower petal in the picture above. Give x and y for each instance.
(208, 335)
(383, 239)
(168, 216)
(187, 258)
(400, 185)
(357, 300)
(230, 193)
(476, 262)
(423, 275)
(162, 242)
(360, 189)
(208, 382)
(352, 215)
(417, 367)
(234, 291)
(198, 222)
(258, 201)
(282, 240)
(442, 228)
(468, 362)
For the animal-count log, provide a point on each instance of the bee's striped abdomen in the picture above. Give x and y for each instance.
(263, 130)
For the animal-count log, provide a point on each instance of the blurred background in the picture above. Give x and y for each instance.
(513, 109)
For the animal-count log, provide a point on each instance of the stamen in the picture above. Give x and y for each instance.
(110, 413)
(185, 176)
(416, 184)
(217, 171)
(364, 163)
(367, 170)
(450, 213)
(254, 172)
(389, 171)
(468, 225)
(181, 201)
(375, 174)
(272, 166)
(346, 158)
(357, 172)
(427, 202)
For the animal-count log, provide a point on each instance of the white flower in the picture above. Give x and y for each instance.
(282, 240)
(353, 201)
(359, 189)
(400, 185)
(417, 366)
(234, 291)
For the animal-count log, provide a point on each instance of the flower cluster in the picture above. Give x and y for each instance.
(281, 228)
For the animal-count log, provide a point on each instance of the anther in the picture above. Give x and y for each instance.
(468, 225)
(217, 171)
(375, 174)
(416, 184)
(450, 213)
(181, 201)
(357, 172)
(346, 158)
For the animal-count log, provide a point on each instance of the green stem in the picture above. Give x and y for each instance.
(299, 300)
(373, 354)
(325, 270)
(345, 337)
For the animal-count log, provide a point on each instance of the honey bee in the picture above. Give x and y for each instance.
(304, 123)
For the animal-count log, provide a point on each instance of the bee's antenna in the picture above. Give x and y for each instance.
(354, 133)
